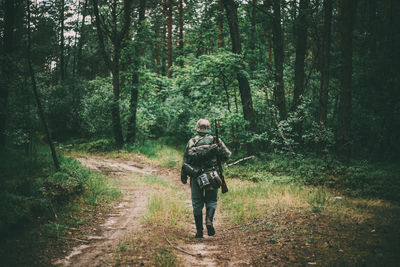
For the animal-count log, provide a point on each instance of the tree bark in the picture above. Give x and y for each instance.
(346, 47)
(62, 56)
(139, 50)
(169, 22)
(277, 40)
(301, 54)
(180, 27)
(244, 87)
(253, 39)
(77, 65)
(326, 44)
(159, 41)
(301, 42)
(6, 71)
(220, 18)
(36, 94)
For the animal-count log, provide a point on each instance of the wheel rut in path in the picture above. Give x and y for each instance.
(96, 249)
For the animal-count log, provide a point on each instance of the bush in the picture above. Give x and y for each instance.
(30, 188)
(101, 145)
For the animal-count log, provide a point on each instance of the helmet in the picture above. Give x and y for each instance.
(202, 126)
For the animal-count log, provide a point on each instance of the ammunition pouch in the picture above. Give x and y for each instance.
(209, 180)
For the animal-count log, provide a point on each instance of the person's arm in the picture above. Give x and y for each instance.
(223, 150)
(184, 175)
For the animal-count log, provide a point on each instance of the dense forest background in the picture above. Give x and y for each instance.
(298, 76)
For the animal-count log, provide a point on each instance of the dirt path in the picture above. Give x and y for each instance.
(97, 248)
(281, 237)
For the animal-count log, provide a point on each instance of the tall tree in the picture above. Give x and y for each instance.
(138, 51)
(111, 60)
(301, 47)
(253, 34)
(36, 93)
(169, 42)
(6, 70)
(346, 46)
(180, 27)
(277, 40)
(244, 87)
(62, 41)
(220, 19)
(77, 66)
(325, 59)
(301, 54)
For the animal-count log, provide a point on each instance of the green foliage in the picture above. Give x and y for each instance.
(164, 257)
(100, 145)
(161, 150)
(360, 178)
(317, 200)
(96, 108)
(30, 188)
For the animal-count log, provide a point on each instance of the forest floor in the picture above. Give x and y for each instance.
(152, 225)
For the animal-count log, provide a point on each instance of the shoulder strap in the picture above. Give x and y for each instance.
(198, 140)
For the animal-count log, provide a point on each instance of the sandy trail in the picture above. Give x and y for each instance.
(97, 249)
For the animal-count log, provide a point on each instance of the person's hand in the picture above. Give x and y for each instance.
(183, 178)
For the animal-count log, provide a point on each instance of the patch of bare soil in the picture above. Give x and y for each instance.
(96, 246)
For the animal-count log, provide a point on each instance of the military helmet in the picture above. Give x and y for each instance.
(202, 126)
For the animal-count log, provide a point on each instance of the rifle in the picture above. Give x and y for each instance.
(224, 187)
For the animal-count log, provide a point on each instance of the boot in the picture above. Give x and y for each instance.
(209, 222)
(199, 226)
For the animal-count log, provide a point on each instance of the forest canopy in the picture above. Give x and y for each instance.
(299, 76)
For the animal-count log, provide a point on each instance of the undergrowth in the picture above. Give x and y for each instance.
(36, 200)
(358, 179)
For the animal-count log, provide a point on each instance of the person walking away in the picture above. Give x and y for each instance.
(200, 164)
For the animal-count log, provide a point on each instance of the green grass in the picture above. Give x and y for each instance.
(152, 179)
(247, 200)
(164, 257)
(359, 179)
(164, 155)
(167, 205)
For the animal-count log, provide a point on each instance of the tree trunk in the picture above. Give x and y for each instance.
(115, 112)
(180, 27)
(62, 57)
(346, 47)
(139, 51)
(159, 41)
(323, 93)
(77, 66)
(6, 72)
(244, 87)
(112, 62)
(253, 32)
(35, 91)
(169, 22)
(220, 25)
(301, 53)
(277, 40)
(326, 44)
(301, 42)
